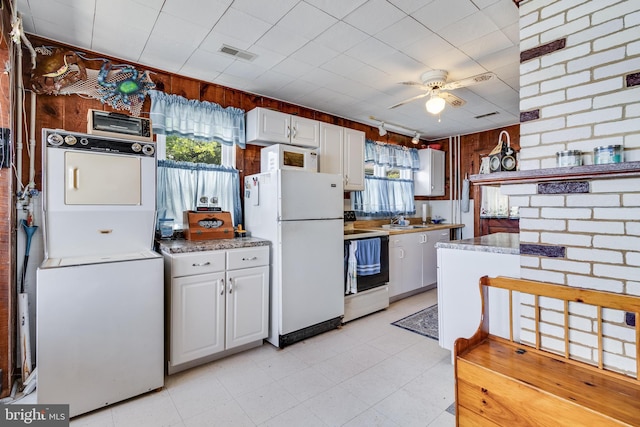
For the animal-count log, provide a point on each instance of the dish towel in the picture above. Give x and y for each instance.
(368, 256)
(352, 280)
(465, 196)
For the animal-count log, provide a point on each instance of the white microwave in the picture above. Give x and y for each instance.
(282, 156)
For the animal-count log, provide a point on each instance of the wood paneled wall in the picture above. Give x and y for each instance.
(7, 227)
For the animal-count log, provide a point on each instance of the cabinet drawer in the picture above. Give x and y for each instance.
(197, 263)
(247, 257)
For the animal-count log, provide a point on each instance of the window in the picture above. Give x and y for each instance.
(181, 182)
(388, 184)
(196, 154)
(183, 149)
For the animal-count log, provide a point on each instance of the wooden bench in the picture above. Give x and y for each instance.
(500, 382)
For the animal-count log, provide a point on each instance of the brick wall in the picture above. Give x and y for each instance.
(580, 89)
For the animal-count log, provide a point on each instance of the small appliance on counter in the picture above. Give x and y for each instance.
(208, 225)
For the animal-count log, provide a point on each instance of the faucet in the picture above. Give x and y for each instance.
(397, 219)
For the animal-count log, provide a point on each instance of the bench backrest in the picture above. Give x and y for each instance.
(598, 299)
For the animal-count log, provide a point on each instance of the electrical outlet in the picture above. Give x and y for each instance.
(5, 148)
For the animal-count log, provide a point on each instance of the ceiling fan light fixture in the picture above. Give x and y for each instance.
(435, 105)
(416, 138)
(381, 130)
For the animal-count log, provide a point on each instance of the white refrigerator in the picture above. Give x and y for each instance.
(301, 214)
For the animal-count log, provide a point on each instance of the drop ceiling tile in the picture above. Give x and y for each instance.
(467, 29)
(306, 21)
(272, 81)
(503, 13)
(69, 35)
(506, 58)
(282, 40)
(403, 33)
(370, 51)
(154, 4)
(486, 45)
(241, 26)
(166, 25)
(410, 6)
(61, 11)
(341, 37)
(374, 77)
(482, 4)
(320, 77)
(314, 54)
(204, 63)
(374, 16)
(127, 43)
(343, 65)
(338, 9)
(271, 11)
(292, 67)
(244, 69)
(400, 67)
(265, 58)
(440, 13)
(117, 14)
(204, 13)
(425, 49)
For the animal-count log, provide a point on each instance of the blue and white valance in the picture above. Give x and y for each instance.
(391, 155)
(199, 120)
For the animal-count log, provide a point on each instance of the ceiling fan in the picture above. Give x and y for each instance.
(435, 85)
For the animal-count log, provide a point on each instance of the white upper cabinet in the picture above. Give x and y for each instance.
(342, 152)
(270, 126)
(353, 159)
(429, 180)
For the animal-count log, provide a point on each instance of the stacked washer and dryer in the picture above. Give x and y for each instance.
(100, 297)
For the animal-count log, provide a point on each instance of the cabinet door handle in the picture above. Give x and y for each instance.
(221, 286)
(295, 131)
(230, 285)
(401, 253)
(253, 258)
(288, 131)
(201, 264)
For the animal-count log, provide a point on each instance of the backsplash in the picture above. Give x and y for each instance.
(575, 95)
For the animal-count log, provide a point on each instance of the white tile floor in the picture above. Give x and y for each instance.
(368, 373)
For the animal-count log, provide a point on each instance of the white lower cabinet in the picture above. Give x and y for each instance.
(413, 261)
(219, 302)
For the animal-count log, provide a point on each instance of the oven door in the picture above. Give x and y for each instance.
(374, 280)
(101, 179)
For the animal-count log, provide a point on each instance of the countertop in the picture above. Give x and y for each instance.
(502, 243)
(181, 246)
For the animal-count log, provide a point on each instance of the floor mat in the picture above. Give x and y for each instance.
(424, 322)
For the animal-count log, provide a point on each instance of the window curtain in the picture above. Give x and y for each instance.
(199, 120)
(180, 184)
(384, 196)
(391, 156)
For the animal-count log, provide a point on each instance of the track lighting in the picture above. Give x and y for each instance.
(381, 130)
(435, 104)
(416, 138)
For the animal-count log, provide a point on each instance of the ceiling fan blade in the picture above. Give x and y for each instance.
(452, 100)
(420, 85)
(406, 101)
(470, 81)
